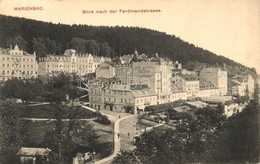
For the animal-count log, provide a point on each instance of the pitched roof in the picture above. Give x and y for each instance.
(189, 77)
(143, 93)
(206, 85)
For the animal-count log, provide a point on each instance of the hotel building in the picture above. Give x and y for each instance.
(16, 63)
(70, 62)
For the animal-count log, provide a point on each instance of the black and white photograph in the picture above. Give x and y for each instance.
(129, 82)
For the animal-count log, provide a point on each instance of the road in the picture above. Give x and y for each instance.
(114, 117)
(116, 141)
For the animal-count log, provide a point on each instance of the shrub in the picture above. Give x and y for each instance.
(103, 120)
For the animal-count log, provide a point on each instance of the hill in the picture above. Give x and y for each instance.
(48, 38)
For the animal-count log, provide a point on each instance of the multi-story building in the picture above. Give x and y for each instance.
(70, 62)
(120, 97)
(187, 83)
(16, 63)
(105, 70)
(207, 89)
(217, 76)
(242, 85)
(135, 69)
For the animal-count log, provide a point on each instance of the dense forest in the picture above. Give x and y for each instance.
(48, 38)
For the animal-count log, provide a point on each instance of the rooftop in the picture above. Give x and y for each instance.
(26, 151)
(218, 99)
(189, 77)
(197, 104)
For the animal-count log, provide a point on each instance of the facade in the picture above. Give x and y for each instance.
(164, 82)
(207, 89)
(124, 72)
(242, 86)
(181, 95)
(187, 83)
(105, 70)
(217, 76)
(121, 98)
(155, 73)
(70, 62)
(15, 63)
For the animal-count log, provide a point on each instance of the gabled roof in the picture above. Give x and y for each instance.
(142, 93)
(207, 85)
(189, 77)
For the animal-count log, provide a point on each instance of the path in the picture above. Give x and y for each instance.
(39, 103)
(116, 141)
(47, 119)
(109, 116)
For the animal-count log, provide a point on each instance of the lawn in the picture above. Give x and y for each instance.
(36, 131)
(46, 111)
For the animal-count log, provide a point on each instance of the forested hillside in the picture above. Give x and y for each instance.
(48, 38)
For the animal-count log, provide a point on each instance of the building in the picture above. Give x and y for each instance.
(138, 69)
(207, 89)
(242, 85)
(217, 76)
(34, 155)
(227, 102)
(121, 98)
(181, 95)
(16, 63)
(105, 70)
(187, 83)
(157, 74)
(70, 62)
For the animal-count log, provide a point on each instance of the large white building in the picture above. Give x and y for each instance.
(154, 72)
(16, 63)
(70, 62)
(121, 98)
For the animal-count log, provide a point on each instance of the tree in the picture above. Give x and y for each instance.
(12, 88)
(18, 40)
(10, 132)
(69, 137)
(39, 47)
(126, 157)
(238, 141)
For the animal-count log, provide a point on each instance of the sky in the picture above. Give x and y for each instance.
(226, 27)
